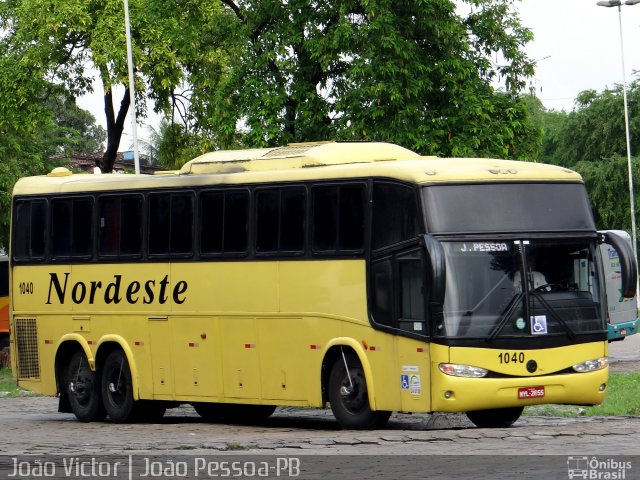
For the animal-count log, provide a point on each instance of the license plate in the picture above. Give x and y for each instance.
(530, 392)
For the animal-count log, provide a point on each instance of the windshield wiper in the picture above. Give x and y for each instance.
(565, 326)
(504, 319)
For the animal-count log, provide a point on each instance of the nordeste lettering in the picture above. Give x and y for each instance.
(115, 291)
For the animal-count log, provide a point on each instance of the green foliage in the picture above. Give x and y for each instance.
(411, 72)
(607, 182)
(174, 146)
(595, 129)
(70, 41)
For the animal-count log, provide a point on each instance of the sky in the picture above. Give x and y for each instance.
(576, 46)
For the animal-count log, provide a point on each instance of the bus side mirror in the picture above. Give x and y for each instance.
(628, 264)
(437, 269)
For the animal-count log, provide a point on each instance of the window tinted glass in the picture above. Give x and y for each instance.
(131, 226)
(181, 224)
(325, 218)
(351, 218)
(338, 218)
(71, 222)
(211, 220)
(29, 229)
(236, 222)
(508, 207)
(267, 211)
(61, 228)
(159, 224)
(224, 218)
(292, 220)
(120, 228)
(170, 224)
(81, 243)
(395, 214)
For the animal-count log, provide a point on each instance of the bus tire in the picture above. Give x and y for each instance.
(82, 388)
(350, 399)
(209, 411)
(495, 417)
(117, 387)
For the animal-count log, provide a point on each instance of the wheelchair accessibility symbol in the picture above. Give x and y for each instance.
(539, 325)
(404, 380)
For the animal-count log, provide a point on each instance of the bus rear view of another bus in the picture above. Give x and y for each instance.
(4, 301)
(622, 312)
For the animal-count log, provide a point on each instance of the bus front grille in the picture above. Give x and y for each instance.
(26, 338)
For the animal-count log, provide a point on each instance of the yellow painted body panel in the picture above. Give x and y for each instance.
(481, 393)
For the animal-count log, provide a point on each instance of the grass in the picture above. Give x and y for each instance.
(621, 401)
(8, 387)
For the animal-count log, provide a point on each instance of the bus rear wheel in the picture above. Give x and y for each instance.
(82, 388)
(117, 387)
(495, 417)
(349, 398)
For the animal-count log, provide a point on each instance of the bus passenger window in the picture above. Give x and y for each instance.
(338, 218)
(224, 221)
(170, 224)
(395, 214)
(29, 230)
(280, 220)
(71, 228)
(120, 228)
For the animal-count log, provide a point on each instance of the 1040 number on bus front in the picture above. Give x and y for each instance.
(511, 357)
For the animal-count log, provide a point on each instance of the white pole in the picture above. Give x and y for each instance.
(628, 138)
(132, 91)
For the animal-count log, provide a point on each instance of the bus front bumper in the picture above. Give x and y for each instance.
(459, 394)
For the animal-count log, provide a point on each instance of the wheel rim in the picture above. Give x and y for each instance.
(353, 394)
(117, 387)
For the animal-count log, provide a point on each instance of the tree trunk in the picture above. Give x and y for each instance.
(115, 126)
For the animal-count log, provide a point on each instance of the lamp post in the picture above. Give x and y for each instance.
(619, 3)
(132, 91)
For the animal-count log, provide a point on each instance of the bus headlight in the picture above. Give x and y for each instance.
(591, 365)
(468, 371)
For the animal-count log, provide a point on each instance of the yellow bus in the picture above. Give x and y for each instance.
(361, 275)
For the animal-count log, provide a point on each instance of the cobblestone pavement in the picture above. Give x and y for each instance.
(32, 426)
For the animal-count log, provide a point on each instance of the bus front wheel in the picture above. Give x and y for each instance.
(349, 397)
(117, 387)
(82, 389)
(495, 417)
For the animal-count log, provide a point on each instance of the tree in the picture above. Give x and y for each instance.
(607, 182)
(595, 129)
(411, 72)
(60, 39)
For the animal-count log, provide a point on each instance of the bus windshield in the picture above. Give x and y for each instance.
(521, 288)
